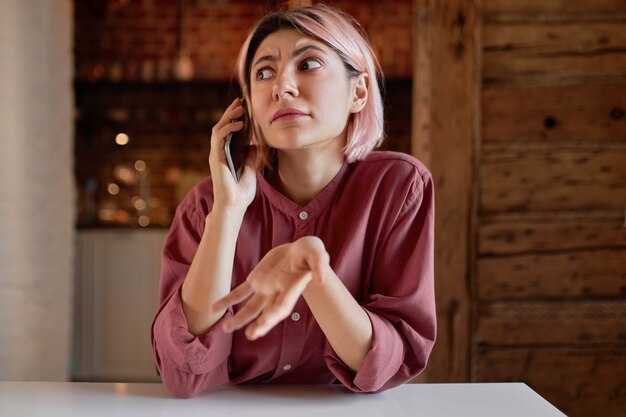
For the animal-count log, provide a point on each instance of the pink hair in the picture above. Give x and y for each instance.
(345, 36)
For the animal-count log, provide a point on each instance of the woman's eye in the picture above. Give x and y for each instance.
(310, 64)
(263, 74)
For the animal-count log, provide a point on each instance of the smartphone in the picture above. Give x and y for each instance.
(237, 146)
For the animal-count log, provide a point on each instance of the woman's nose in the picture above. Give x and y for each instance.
(284, 86)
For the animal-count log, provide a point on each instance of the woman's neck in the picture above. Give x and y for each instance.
(302, 174)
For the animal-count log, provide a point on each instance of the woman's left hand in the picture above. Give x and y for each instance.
(275, 285)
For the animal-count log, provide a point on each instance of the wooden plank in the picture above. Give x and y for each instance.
(580, 274)
(590, 322)
(444, 87)
(551, 332)
(534, 7)
(580, 382)
(553, 51)
(549, 179)
(523, 234)
(590, 113)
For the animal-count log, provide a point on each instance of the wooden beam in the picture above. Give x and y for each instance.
(445, 93)
(569, 179)
(522, 233)
(585, 113)
(565, 52)
(569, 275)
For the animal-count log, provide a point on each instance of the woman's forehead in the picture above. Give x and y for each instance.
(285, 41)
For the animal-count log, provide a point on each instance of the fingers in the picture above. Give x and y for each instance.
(226, 125)
(220, 133)
(233, 111)
(268, 319)
(262, 312)
(234, 297)
(287, 299)
(277, 310)
(249, 312)
(277, 282)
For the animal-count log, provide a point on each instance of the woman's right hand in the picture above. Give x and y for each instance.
(228, 194)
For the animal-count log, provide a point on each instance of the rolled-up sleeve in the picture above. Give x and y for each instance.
(187, 364)
(401, 301)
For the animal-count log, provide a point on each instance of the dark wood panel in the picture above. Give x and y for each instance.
(525, 234)
(586, 113)
(548, 179)
(554, 322)
(576, 274)
(554, 6)
(553, 52)
(580, 382)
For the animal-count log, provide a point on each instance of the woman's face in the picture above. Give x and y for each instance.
(300, 92)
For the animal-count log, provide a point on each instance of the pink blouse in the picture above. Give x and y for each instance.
(376, 221)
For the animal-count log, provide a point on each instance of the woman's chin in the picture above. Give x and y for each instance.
(288, 143)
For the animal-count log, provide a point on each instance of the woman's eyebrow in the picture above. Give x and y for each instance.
(270, 58)
(305, 48)
(299, 51)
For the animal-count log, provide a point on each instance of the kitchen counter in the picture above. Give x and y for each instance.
(70, 399)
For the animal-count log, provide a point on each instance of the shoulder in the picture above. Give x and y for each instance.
(394, 176)
(399, 165)
(199, 200)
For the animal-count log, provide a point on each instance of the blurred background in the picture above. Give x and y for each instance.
(153, 77)
(516, 106)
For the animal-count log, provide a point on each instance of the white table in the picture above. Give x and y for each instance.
(70, 399)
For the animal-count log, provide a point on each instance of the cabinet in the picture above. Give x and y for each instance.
(116, 297)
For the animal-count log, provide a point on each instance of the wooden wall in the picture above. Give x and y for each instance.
(531, 234)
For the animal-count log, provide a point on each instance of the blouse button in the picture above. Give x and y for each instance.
(303, 215)
(295, 316)
(286, 367)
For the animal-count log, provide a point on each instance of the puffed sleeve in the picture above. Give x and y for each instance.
(401, 300)
(187, 364)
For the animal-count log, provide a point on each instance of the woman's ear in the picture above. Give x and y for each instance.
(359, 93)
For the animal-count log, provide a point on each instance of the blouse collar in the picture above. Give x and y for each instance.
(292, 209)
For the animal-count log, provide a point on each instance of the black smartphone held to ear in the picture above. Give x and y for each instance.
(237, 145)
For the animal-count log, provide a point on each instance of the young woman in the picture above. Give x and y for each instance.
(326, 245)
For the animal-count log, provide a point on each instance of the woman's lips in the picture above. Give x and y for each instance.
(288, 114)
